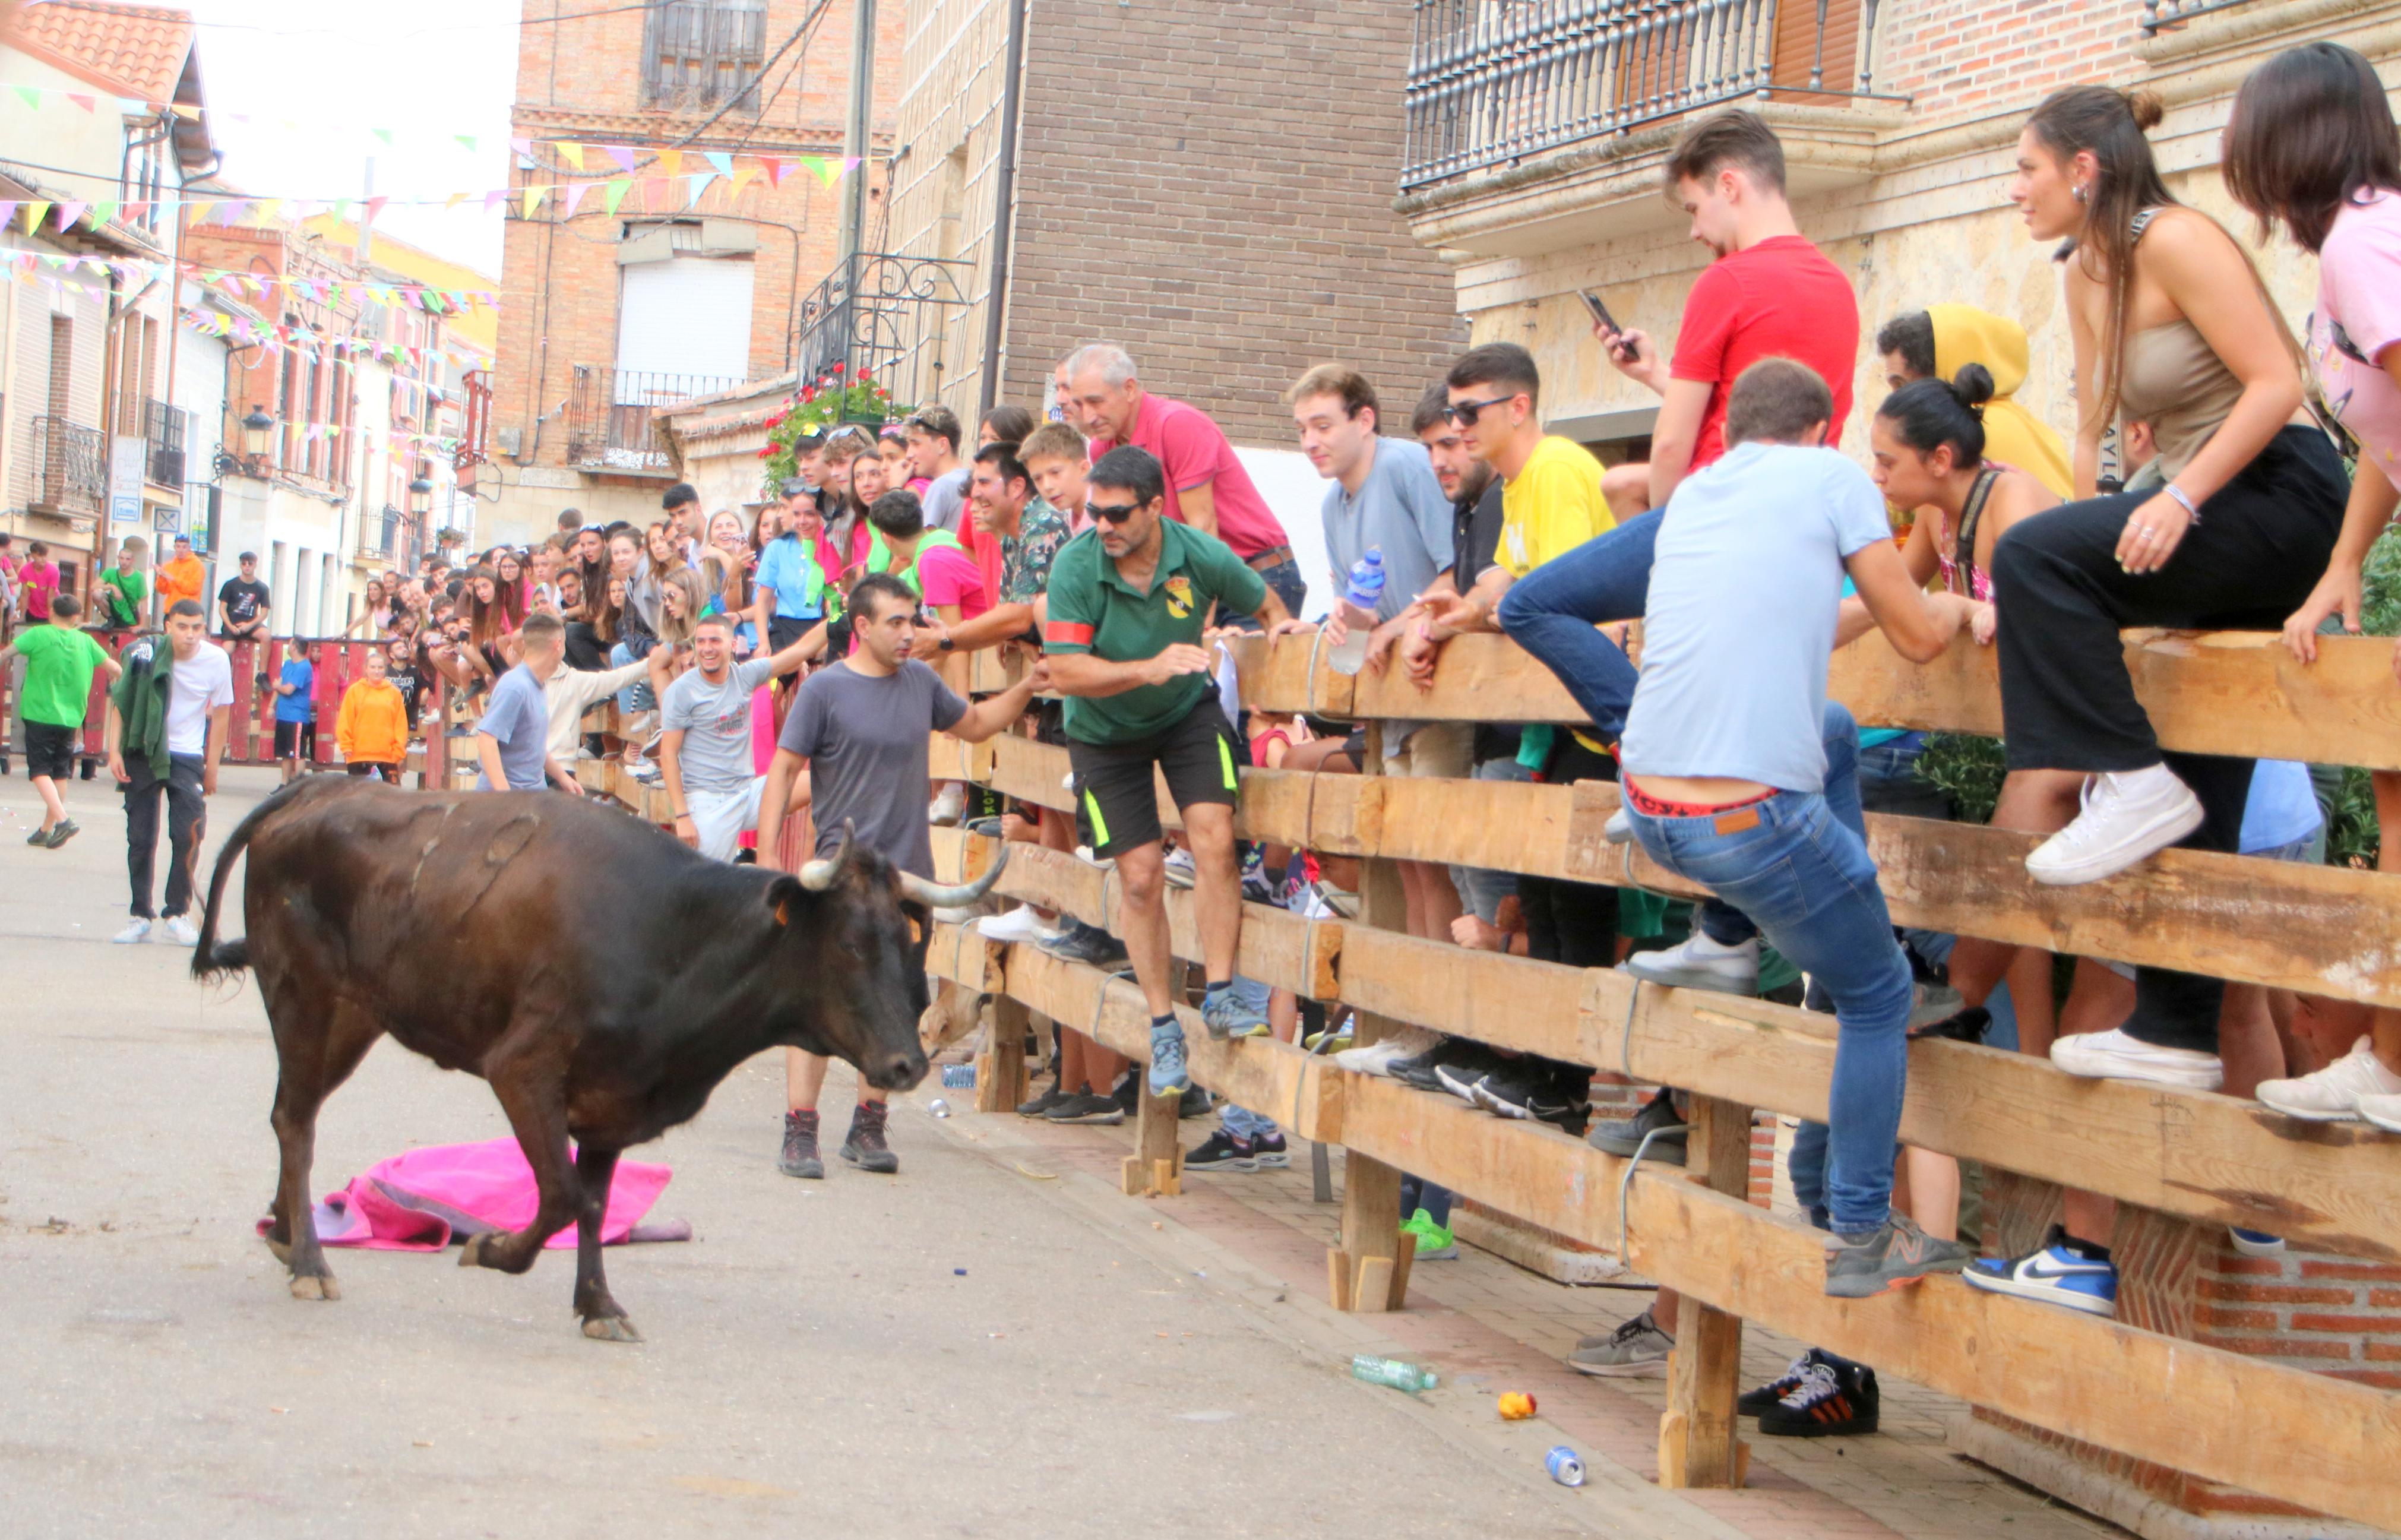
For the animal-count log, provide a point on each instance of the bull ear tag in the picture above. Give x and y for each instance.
(783, 911)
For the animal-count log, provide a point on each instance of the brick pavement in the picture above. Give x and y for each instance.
(1487, 1326)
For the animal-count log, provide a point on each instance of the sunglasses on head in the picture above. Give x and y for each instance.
(1113, 513)
(1463, 413)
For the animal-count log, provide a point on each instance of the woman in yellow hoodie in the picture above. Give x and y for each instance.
(372, 728)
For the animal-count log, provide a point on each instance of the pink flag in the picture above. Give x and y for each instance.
(621, 154)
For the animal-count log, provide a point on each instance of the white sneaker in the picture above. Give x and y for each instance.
(2128, 816)
(2332, 1095)
(950, 806)
(1377, 1057)
(181, 931)
(2383, 1111)
(1697, 962)
(1619, 829)
(1181, 872)
(1021, 923)
(2112, 1055)
(1084, 854)
(137, 931)
(948, 915)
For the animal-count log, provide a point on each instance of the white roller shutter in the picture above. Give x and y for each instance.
(688, 319)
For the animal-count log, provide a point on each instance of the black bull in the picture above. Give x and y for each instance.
(598, 975)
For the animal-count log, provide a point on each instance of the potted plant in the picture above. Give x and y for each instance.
(817, 407)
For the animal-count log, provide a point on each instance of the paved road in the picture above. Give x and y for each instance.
(815, 1364)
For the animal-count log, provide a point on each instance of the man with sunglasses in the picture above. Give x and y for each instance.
(1128, 599)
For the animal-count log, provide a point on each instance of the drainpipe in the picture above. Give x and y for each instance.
(1003, 210)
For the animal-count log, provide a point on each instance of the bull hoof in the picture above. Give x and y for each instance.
(611, 1328)
(471, 1254)
(316, 1289)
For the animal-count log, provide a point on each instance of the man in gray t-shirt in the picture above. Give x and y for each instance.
(705, 757)
(512, 738)
(861, 727)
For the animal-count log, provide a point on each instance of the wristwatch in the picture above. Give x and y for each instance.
(945, 645)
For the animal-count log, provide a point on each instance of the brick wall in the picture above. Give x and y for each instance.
(559, 275)
(1961, 59)
(1212, 187)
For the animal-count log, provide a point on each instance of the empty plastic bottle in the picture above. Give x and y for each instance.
(1397, 1373)
(1359, 601)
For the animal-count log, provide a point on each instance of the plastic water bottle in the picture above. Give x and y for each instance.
(1397, 1373)
(1365, 592)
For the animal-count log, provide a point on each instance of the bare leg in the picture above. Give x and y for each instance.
(1933, 1186)
(1429, 899)
(1627, 487)
(1217, 886)
(2247, 1043)
(54, 807)
(2029, 975)
(804, 1076)
(604, 1320)
(1142, 911)
(1073, 1075)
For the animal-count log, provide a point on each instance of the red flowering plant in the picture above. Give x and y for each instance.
(818, 407)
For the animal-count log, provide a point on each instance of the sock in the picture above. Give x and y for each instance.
(1219, 987)
(1159, 1022)
(2087, 1250)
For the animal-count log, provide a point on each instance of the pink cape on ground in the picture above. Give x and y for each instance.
(428, 1198)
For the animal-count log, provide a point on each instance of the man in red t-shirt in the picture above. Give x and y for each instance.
(1770, 293)
(1207, 487)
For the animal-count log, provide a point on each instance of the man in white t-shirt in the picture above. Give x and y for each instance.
(705, 755)
(167, 722)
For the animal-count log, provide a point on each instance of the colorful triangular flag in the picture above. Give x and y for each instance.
(30, 95)
(467, 141)
(80, 100)
(700, 181)
(613, 193)
(533, 196)
(571, 153)
(572, 195)
(775, 169)
(621, 154)
(719, 158)
(69, 212)
(671, 162)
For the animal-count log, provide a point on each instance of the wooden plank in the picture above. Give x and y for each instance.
(1371, 1188)
(1157, 1164)
(2327, 1444)
(1529, 1170)
(2207, 692)
(1697, 1447)
(1009, 1022)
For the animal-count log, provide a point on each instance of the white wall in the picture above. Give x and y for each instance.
(1292, 487)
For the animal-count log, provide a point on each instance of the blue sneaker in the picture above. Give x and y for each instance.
(1167, 1076)
(2054, 1275)
(2254, 1242)
(1226, 1014)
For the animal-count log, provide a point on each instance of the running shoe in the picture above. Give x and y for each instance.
(1637, 1350)
(1755, 1402)
(1623, 1136)
(1897, 1255)
(181, 931)
(1435, 1243)
(66, 829)
(1041, 1105)
(1458, 1054)
(2333, 1093)
(1085, 943)
(1272, 1152)
(1021, 923)
(2117, 1055)
(2057, 1274)
(2254, 1242)
(1086, 1108)
(1379, 1057)
(1697, 962)
(1221, 1151)
(1226, 1014)
(1181, 872)
(1530, 1091)
(137, 931)
(1167, 1073)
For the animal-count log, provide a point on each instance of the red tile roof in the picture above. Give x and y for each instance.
(138, 51)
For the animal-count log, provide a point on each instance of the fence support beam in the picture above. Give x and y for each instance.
(1697, 1447)
(1362, 1275)
(1002, 1084)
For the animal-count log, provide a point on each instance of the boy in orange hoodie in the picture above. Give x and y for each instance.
(372, 727)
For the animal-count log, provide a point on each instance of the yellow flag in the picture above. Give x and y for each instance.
(533, 199)
(671, 162)
(572, 154)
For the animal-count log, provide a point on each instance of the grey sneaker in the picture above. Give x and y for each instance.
(1898, 1253)
(800, 1156)
(1636, 1350)
(1222, 1011)
(1623, 1136)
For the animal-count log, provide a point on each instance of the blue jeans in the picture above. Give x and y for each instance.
(1284, 581)
(1800, 868)
(1550, 613)
(636, 696)
(1480, 890)
(1241, 1122)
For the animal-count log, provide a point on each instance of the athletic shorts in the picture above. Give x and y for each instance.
(295, 738)
(720, 819)
(50, 750)
(1114, 791)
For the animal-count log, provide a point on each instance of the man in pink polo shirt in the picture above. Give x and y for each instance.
(1206, 485)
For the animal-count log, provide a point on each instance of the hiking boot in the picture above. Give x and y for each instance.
(1832, 1398)
(1085, 1108)
(800, 1157)
(1041, 1105)
(1623, 1136)
(865, 1148)
(1637, 1350)
(1896, 1254)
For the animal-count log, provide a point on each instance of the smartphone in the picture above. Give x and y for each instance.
(1600, 311)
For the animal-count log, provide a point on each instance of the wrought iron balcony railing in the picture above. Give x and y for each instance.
(609, 412)
(2161, 14)
(900, 320)
(165, 427)
(70, 465)
(1491, 81)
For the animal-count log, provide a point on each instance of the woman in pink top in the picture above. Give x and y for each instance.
(2312, 146)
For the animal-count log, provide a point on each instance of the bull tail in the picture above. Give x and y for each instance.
(213, 959)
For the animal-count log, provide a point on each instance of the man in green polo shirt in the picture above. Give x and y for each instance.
(59, 660)
(123, 592)
(1128, 601)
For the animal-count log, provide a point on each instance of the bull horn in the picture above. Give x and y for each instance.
(935, 896)
(822, 873)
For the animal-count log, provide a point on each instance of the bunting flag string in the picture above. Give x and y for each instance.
(245, 286)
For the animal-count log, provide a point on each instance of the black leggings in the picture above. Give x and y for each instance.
(2067, 702)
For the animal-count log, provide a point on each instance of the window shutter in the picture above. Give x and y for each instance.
(690, 316)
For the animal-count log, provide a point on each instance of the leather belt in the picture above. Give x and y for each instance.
(1273, 557)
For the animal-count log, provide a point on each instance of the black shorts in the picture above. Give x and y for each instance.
(363, 768)
(295, 738)
(1114, 791)
(50, 750)
(784, 630)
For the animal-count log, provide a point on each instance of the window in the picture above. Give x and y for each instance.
(683, 327)
(697, 55)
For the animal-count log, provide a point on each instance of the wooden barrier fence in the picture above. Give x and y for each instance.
(2324, 1443)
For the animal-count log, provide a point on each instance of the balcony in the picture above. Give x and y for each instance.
(1526, 118)
(379, 539)
(70, 468)
(609, 412)
(165, 428)
(2159, 15)
(889, 317)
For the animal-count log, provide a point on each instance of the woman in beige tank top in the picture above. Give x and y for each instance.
(2171, 328)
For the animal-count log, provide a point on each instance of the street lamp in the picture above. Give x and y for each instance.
(420, 497)
(256, 427)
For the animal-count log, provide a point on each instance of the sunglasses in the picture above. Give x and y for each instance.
(1462, 414)
(1113, 513)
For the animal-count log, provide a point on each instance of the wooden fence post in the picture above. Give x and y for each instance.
(1002, 1084)
(1155, 1167)
(1360, 1274)
(1697, 1447)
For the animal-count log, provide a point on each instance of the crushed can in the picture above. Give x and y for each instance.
(1564, 1467)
